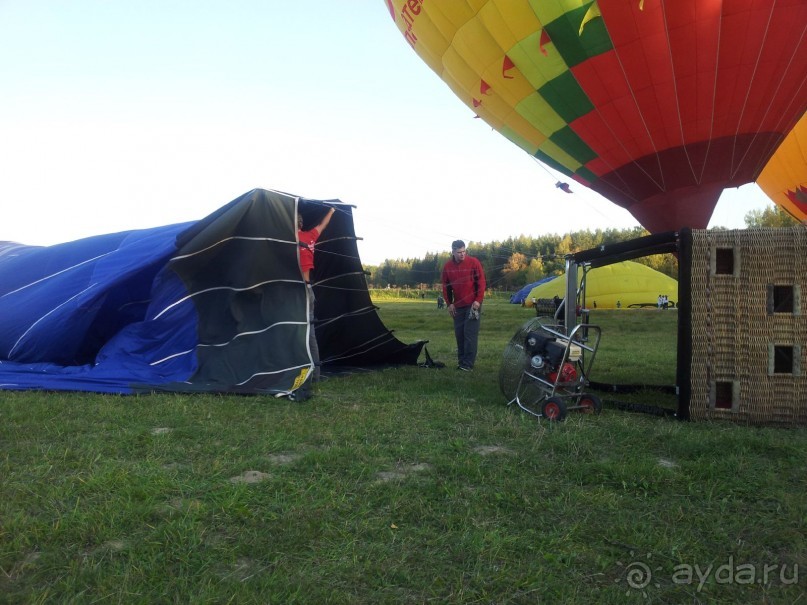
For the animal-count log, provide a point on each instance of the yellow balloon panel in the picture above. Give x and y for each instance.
(450, 16)
(525, 131)
(536, 111)
(458, 69)
(465, 42)
(476, 46)
(467, 98)
(496, 106)
(523, 126)
(482, 54)
(536, 67)
(628, 283)
(429, 39)
(786, 172)
(509, 123)
(559, 155)
(509, 21)
(519, 140)
(553, 9)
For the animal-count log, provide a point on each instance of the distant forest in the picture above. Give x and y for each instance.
(512, 263)
(516, 262)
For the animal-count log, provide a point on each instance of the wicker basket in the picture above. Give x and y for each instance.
(748, 330)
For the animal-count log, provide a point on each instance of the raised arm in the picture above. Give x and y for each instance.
(324, 222)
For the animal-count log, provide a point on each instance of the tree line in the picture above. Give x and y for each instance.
(517, 261)
(512, 263)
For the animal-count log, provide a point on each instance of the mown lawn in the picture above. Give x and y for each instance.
(407, 485)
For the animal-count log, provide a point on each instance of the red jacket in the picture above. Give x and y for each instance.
(463, 283)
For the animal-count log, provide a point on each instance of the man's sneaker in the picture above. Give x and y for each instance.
(464, 368)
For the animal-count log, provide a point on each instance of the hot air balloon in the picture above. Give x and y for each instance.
(784, 178)
(658, 105)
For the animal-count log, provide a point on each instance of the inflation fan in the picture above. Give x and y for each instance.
(545, 372)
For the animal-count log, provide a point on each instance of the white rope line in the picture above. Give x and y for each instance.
(227, 239)
(714, 100)
(341, 288)
(224, 344)
(772, 95)
(734, 168)
(164, 359)
(52, 275)
(613, 134)
(352, 350)
(677, 101)
(773, 144)
(289, 369)
(31, 327)
(343, 237)
(321, 252)
(368, 349)
(217, 288)
(362, 311)
(254, 332)
(331, 278)
(590, 205)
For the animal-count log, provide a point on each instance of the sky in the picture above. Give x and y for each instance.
(127, 115)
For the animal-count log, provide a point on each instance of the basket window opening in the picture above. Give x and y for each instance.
(724, 395)
(783, 299)
(724, 261)
(782, 359)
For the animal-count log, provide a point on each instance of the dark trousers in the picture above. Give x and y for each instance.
(466, 331)
(312, 337)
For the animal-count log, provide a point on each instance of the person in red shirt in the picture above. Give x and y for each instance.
(464, 290)
(307, 240)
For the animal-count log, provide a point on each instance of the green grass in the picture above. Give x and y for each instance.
(407, 485)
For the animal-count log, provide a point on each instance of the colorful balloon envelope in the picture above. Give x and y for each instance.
(784, 178)
(658, 105)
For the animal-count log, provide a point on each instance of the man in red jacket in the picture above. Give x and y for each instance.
(464, 290)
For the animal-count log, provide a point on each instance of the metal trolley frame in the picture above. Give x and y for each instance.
(549, 399)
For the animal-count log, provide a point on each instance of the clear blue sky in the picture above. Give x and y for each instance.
(125, 115)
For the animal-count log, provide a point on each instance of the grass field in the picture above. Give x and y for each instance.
(407, 485)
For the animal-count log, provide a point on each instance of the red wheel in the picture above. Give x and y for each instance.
(554, 409)
(591, 404)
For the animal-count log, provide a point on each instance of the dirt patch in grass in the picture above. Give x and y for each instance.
(242, 570)
(110, 546)
(175, 466)
(250, 477)
(402, 472)
(487, 450)
(282, 458)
